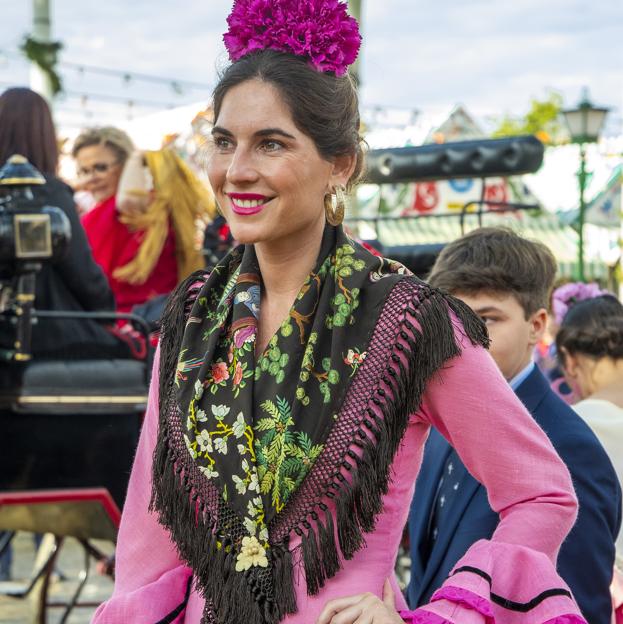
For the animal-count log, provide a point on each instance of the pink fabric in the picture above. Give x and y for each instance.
(466, 598)
(525, 479)
(423, 617)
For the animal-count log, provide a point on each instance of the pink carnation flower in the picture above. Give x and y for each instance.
(565, 296)
(320, 30)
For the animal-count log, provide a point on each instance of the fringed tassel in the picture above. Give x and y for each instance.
(232, 593)
(314, 573)
(328, 546)
(349, 532)
(475, 329)
(421, 351)
(283, 571)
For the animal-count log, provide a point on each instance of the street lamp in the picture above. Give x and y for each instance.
(585, 123)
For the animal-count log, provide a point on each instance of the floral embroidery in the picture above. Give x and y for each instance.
(251, 554)
(272, 361)
(354, 359)
(260, 459)
(220, 372)
(325, 379)
(250, 298)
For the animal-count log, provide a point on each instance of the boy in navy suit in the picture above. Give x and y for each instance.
(506, 280)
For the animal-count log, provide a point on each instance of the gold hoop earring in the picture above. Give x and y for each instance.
(335, 205)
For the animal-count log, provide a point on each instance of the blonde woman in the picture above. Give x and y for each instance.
(145, 247)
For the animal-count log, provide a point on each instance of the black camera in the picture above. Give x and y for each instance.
(31, 232)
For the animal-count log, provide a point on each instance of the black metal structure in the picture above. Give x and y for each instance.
(462, 159)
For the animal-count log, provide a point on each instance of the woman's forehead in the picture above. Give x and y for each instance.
(253, 105)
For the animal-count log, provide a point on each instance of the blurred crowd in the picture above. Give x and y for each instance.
(141, 222)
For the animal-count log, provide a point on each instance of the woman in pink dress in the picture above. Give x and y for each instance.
(297, 382)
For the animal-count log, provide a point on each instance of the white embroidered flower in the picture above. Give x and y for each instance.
(189, 423)
(254, 507)
(254, 484)
(220, 411)
(192, 452)
(220, 444)
(205, 441)
(242, 449)
(198, 389)
(241, 486)
(264, 534)
(239, 426)
(251, 554)
(201, 415)
(250, 526)
(208, 472)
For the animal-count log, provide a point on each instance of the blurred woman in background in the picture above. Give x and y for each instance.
(145, 240)
(590, 349)
(75, 282)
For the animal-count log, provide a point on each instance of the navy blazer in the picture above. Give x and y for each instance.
(587, 555)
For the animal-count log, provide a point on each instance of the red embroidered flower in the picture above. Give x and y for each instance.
(220, 372)
(237, 374)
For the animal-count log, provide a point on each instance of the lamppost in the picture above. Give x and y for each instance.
(585, 123)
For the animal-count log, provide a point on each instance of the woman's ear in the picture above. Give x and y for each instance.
(342, 169)
(570, 363)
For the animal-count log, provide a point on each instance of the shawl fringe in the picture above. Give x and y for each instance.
(239, 597)
(359, 502)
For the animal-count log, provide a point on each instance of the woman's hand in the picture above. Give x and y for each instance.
(362, 609)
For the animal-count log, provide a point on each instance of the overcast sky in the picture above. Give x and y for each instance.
(490, 55)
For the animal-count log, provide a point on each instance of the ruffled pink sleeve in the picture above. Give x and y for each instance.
(151, 582)
(510, 579)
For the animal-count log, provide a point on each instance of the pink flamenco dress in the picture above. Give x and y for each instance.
(510, 579)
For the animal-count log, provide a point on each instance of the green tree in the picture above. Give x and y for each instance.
(542, 120)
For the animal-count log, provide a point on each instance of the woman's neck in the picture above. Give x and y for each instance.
(607, 379)
(284, 268)
(285, 264)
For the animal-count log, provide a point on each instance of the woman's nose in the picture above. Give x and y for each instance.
(241, 168)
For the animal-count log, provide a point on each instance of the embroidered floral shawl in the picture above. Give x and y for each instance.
(252, 450)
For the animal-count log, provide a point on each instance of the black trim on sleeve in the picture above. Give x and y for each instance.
(506, 603)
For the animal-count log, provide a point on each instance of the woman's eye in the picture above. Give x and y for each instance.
(222, 143)
(271, 146)
(487, 320)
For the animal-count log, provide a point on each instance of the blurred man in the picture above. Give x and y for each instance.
(506, 280)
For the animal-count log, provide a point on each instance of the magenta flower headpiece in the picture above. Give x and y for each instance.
(567, 295)
(319, 30)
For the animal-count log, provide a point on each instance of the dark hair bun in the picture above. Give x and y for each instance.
(593, 327)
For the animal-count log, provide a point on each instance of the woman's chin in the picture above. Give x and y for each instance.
(247, 234)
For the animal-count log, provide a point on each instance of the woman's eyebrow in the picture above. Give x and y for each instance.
(219, 130)
(260, 133)
(272, 131)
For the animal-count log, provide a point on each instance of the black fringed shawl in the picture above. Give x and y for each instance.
(299, 441)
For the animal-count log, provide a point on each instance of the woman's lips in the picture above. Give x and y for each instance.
(248, 203)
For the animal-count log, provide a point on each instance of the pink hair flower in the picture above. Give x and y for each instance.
(319, 30)
(567, 295)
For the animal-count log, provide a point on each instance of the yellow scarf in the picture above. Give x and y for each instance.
(180, 196)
